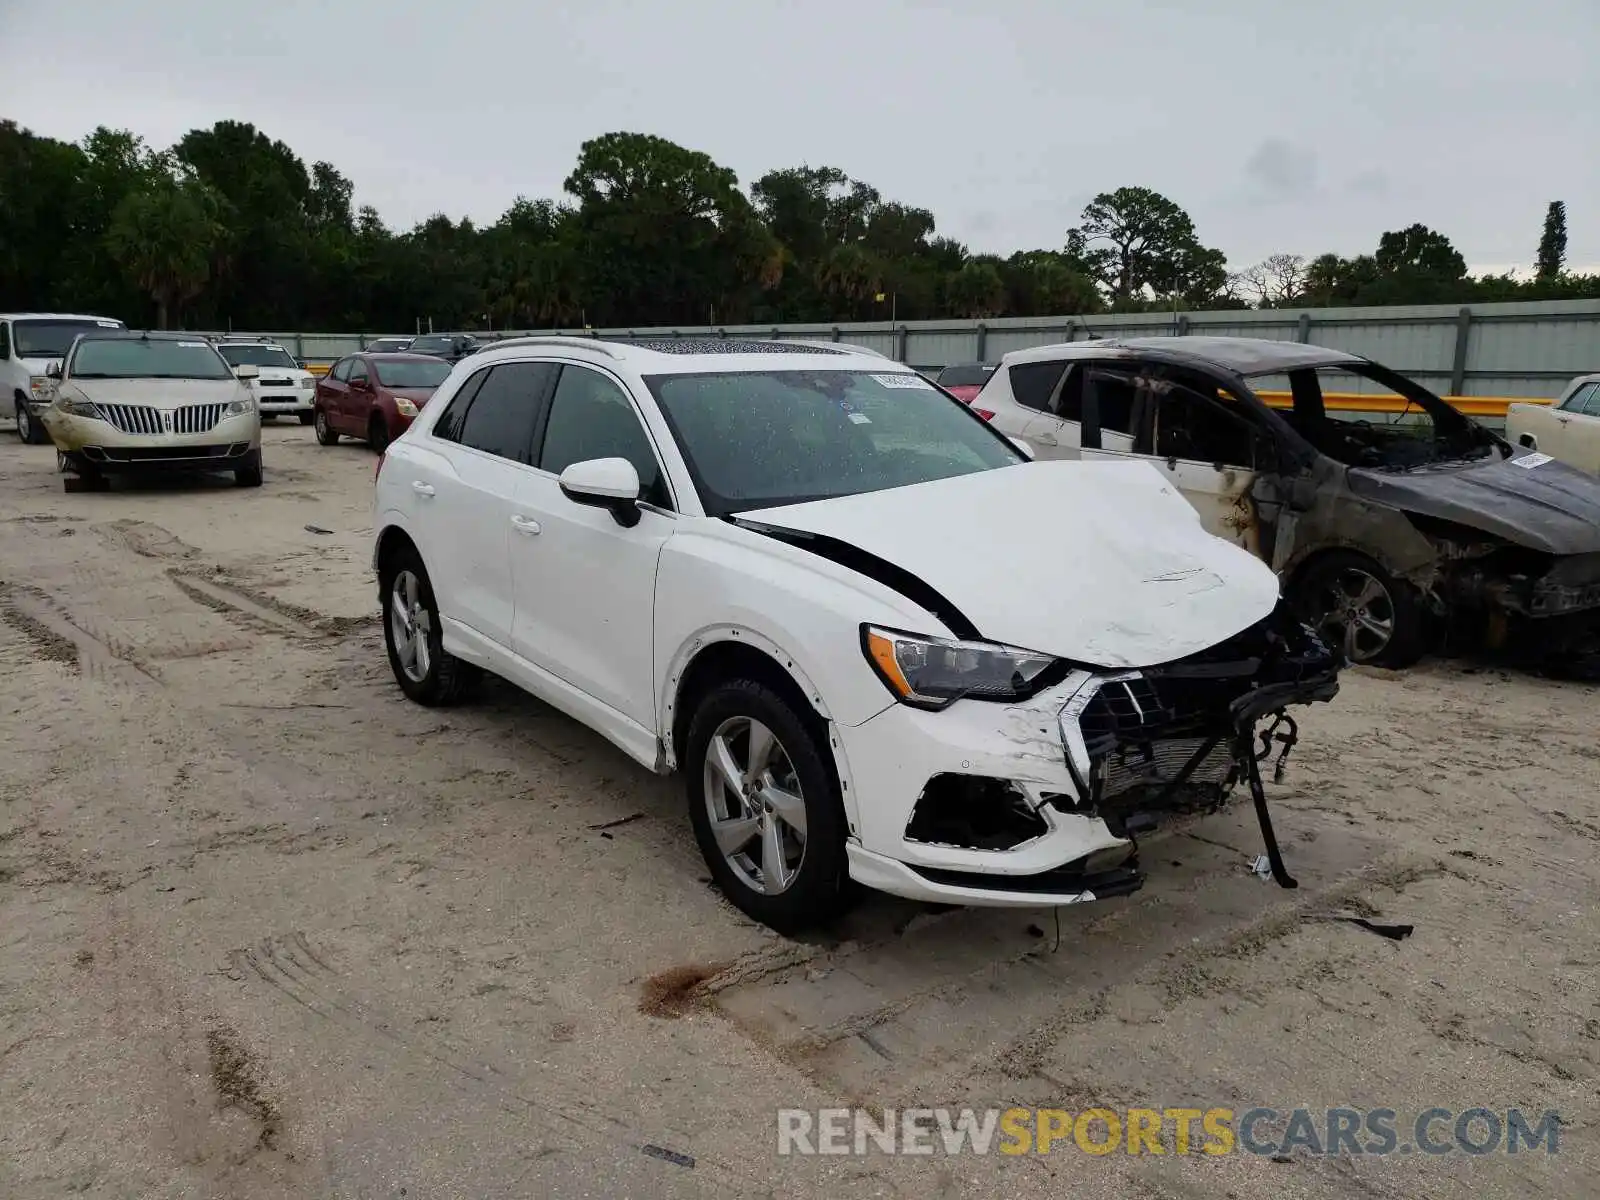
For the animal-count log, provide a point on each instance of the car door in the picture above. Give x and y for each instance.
(356, 404)
(585, 584)
(330, 392)
(1578, 429)
(1052, 395)
(1203, 441)
(464, 485)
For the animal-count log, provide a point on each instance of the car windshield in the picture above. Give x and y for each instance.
(260, 355)
(146, 358)
(401, 373)
(52, 339)
(433, 345)
(760, 439)
(1330, 406)
(971, 375)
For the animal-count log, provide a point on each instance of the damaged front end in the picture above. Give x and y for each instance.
(1177, 739)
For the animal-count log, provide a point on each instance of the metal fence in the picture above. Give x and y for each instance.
(1497, 351)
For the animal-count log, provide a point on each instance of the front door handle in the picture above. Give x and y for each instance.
(420, 488)
(1045, 439)
(525, 525)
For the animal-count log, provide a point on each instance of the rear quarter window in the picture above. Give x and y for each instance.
(1032, 383)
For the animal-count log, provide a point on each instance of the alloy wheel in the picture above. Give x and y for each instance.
(1358, 614)
(756, 806)
(410, 625)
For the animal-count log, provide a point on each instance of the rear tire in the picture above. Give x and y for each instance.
(1362, 611)
(425, 671)
(325, 432)
(305, 418)
(791, 782)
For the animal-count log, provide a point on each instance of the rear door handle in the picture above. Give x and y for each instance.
(525, 525)
(420, 488)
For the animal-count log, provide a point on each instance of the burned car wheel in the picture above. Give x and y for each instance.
(765, 808)
(1361, 610)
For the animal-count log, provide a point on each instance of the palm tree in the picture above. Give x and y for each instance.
(165, 237)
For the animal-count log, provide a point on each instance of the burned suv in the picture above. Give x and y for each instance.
(1386, 533)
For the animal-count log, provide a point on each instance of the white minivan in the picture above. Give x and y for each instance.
(29, 343)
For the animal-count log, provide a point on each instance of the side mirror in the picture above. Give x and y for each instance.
(1025, 448)
(53, 371)
(248, 371)
(609, 483)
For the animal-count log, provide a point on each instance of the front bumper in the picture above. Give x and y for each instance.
(91, 440)
(1041, 803)
(280, 401)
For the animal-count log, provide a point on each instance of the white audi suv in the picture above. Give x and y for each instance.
(881, 645)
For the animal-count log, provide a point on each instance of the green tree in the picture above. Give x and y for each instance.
(164, 237)
(1553, 241)
(1136, 243)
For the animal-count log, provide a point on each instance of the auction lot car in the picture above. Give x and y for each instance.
(965, 380)
(880, 644)
(282, 388)
(136, 403)
(375, 396)
(1568, 430)
(1385, 534)
(452, 347)
(29, 343)
(387, 345)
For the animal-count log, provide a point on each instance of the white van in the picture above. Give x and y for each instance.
(30, 342)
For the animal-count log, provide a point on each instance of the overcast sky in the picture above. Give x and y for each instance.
(1278, 126)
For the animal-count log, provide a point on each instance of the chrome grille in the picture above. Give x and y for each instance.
(196, 418)
(132, 418)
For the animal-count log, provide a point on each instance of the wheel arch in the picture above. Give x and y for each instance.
(724, 652)
(391, 543)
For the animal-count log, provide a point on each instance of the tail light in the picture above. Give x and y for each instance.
(985, 413)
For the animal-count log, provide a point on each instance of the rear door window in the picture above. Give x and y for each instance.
(502, 410)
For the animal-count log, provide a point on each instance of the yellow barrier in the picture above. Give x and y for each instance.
(1473, 406)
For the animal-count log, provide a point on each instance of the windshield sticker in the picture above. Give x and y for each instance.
(857, 418)
(192, 345)
(109, 324)
(1529, 461)
(904, 381)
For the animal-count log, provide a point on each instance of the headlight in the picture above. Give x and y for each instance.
(307, 381)
(77, 408)
(40, 385)
(932, 672)
(405, 407)
(238, 408)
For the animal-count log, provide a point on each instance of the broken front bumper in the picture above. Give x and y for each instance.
(1041, 804)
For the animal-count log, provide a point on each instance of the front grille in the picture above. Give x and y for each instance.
(132, 418)
(276, 382)
(196, 418)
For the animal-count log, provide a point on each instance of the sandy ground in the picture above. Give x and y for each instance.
(269, 930)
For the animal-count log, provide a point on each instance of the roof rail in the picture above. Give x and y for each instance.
(851, 346)
(551, 339)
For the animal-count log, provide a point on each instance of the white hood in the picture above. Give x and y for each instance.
(1103, 563)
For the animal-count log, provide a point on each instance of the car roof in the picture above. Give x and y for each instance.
(684, 356)
(395, 356)
(154, 335)
(52, 316)
(1243, 356)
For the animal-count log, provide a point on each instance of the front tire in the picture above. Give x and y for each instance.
(326, 436)
(28, 429)
(1373, 618)
(766, 809)
(305, 418)
(412, 632)
(250, 474)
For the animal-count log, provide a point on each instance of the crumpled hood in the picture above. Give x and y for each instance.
(1548, 506)
(1103, 563)
(159, 393)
